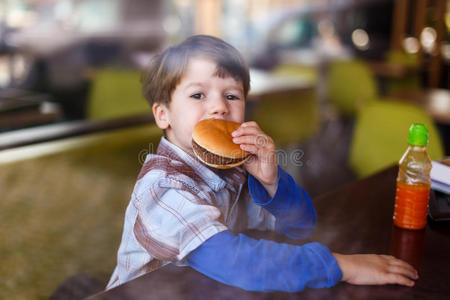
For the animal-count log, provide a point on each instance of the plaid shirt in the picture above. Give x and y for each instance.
(176, 205)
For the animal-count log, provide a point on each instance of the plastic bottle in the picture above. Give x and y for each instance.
(413, 181)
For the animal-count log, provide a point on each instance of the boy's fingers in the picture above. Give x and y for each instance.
(249, 148)
(257, 154)
(395, 262)
(260, 141)
(246, 130)
(404, 264)
(250, 124)
(403, 270)
(399, 279)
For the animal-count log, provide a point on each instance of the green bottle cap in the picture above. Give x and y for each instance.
(418, 135)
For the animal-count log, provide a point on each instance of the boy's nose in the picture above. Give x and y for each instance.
(218, 107)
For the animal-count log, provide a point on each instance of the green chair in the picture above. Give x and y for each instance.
(115, 93)
(381, 133)
(62, 211)
(408, 83)
(351, 85)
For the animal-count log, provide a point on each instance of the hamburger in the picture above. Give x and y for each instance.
(213, 144)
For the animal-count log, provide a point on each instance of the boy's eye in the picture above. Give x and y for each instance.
(231, 97)
(198, 96)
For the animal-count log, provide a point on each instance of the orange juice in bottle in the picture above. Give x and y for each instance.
(413, 181)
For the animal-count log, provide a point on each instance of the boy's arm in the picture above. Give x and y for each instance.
(273, 188)
(291, 205)
(261, 265)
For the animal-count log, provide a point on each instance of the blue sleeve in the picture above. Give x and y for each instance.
(291, 205)
(262, 265)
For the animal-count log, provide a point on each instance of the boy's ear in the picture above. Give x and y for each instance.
(161, 115)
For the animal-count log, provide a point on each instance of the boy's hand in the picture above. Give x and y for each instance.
(362, 269)
(263, 165)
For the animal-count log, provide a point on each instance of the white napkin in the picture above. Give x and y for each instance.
(440, 177)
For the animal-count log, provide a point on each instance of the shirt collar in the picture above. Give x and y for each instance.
(216, 179)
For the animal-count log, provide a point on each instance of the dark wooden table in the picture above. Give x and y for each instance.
(356, 218)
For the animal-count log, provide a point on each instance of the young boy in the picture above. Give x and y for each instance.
(186, 213)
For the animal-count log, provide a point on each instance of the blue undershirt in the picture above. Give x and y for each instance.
(263, 265)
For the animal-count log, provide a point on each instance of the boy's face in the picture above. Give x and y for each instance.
(201, 94)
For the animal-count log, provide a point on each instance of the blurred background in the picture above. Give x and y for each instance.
(336, 83)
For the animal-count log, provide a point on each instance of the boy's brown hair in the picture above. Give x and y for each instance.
(166, 70)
